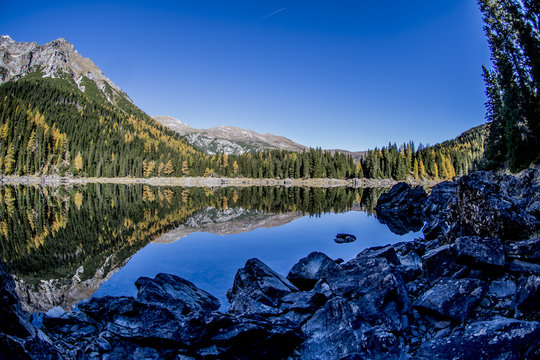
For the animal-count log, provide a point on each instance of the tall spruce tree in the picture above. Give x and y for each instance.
(513, 83)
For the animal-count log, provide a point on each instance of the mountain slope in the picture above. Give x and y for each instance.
(56, 59)
(60, 115)
(229, 139)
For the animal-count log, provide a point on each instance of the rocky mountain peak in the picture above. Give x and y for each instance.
(55, 59)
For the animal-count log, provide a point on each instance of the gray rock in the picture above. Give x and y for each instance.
(482, 209)
(176, 294)
(485, 253)
(387, 252)
(309, 270)
(497, 339)
(441, 262)
(452, 298)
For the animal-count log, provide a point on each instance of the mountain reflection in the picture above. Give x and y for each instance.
(69, 239)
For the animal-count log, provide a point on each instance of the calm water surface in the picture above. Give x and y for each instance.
(67, 244)
(210, 261)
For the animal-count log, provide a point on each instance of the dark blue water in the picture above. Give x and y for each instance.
(211, 261)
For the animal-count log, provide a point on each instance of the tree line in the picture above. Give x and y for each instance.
(442, 161)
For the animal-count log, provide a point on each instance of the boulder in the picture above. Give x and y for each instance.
(500, 338)
(402, 198)
(260, 283)
(482, 209)
(386, 252)
(439, 200)
(372, 285)
(452, 298)
(342, 238)
(306, 272)
(441, 262)
(485, 253)
(174, 293)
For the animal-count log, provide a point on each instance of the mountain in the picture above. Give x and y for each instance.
(229, 139)
(55, 59)
(60, 115)
(237, 141)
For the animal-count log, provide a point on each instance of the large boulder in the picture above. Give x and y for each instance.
(401, 208)
(482, 209)
(174, 293)
(309, 270)
(526, 250)
(402, 198)
(257, 283)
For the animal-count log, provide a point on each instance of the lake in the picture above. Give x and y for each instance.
(65, 244)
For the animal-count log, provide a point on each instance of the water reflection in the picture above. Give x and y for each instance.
(66, 241)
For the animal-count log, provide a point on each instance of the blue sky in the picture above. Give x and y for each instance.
(334, 74)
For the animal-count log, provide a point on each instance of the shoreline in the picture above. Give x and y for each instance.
(208, 181)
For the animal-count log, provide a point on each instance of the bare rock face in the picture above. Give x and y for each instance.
(55, 59)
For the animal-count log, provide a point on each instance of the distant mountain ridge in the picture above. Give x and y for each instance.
(229, 139)
(55, 59)
(235, 140)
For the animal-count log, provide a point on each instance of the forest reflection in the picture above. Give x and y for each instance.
(50, 232)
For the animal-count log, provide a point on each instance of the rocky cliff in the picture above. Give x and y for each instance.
(55, 59)
(468, 290)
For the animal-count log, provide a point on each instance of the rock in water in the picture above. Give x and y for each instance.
(344, 238)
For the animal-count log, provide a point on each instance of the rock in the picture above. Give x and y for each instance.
(483, 210)
(371, 284)
(439, 200)
(344, 238)
(435, 228)
(452, 298)
(528, 295)
(402, 198)
(386, 252)
(523, 267)
(19, 339)
(401, 208)
(441, 262)
(485, 253)
(260, 283)
(527, 250)
(305, 273)
(175, 294)
(500, 338)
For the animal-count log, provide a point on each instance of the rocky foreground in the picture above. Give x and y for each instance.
(470, 289)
